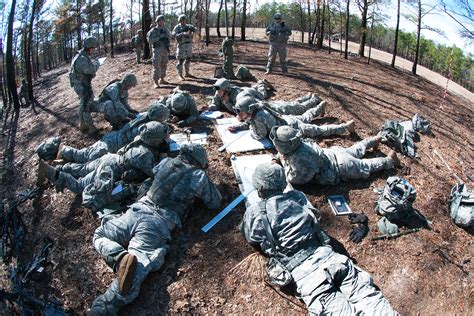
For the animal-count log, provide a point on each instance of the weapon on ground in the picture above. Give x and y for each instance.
(393, 236)
(38, 262)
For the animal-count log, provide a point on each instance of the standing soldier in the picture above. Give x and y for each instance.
(184, 36)
(278, 33)
(80, 76)
(137, 43)
(23, 94)
(159, 40)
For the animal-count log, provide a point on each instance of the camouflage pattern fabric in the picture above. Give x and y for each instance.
(278, 34)
(113, 103)
(159, 41)
(228, 52)
(81, 74)
(184, 49)
(145, 229)
(23, 94)
(182, 105)
(137, 43)
(311, 163)
(328, 282)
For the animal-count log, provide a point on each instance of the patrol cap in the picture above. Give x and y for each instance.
(182, 17)
(222, 83)
(195, 152)
(158, 112)
(268, 177)
(285, 138)
(130, 80)
(153, 133)
(159, 18)
(246, 104)
(91, 42)
(277, 16)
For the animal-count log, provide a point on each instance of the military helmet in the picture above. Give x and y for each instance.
(268, 176)
(182, 17)
(222, 83)
(158, 112)
(91, 42)
(277, 16)
(285, 138)
(153, 133)
(140, 31)
(159, 18)
(130, 80)
(23, 81)
(179, 102)
(246, 104)
(195, 152)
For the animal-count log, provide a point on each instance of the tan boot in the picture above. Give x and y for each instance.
(163, 81)
(350, 126)
(268, 72)
(45, 171)
(125, 273)
(83, 127)
(377, 140)
(181, 77)
(393, 155)
(323, 106)
(59, 155)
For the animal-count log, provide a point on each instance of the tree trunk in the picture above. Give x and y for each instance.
(159, 7)
(243, 22)
(329, 29)
(146, 22)
(131, 18)
(78, 21)
(208, 39)
(371, 34)
(102, 19)
(418, 34)
(395, 44)
(10, 62)
(321, 29)
(29, 73)
(363, 28)
(219, 20)
(111, 30)
(226, 19)
(234, 13)
(309, 21)
(317, 22)
(347, 30)
(154, 9)
(302, 22)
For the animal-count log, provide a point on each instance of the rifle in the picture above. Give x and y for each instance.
(393, 236)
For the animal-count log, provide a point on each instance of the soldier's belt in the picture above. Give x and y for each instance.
(306, 250)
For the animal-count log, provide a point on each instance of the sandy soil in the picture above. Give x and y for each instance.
(427, 273)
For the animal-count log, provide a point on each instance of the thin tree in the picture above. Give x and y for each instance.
(111, 29)
(243, 21)
(346, 37)
(219, 20)
(397, 28)
(309, 20)
(36, 6)
(302, 24)
(78, 21)
(364, 9)
(321, 28)
(226, 19)
(9, 61)
(206, 8)
(234, 13)
(460, 11)
(146, 22)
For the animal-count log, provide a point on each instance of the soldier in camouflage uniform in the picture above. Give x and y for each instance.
(309, 163)
(228, 53)
(184, 37)
(133, 162)
(82, 72)
(110, 143)
(135, 244)
(159, 41)
(23, 94)
(283, 227)
(262, 119)
(278, 34)
(137, 44)
(113, 102)
(182, 107)
(227, 95)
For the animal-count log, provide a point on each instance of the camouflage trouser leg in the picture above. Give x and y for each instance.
(282, 54)
(138, 53)
(313, 130)
(359, 149)
(146, 234)
(184, 52)
(96, 150)
(160, 63)
(86, 97)
(272, 52)
(65, 180)
(351, 168)
(78, 170)
(262, 87)
(330, 284)
(307, 109)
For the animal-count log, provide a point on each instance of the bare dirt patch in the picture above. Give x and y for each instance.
(429, 272)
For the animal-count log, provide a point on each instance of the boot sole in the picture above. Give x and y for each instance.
(125, 283)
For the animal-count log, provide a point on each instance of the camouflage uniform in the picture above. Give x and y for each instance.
(113, 102)
(184, 50)
(228, 53)
(145, 228)
(113, 141)
(263, 119)
(182, 105)
(159, 41)
(285, 229)
(305, 162)
(278, 33)
(260, 92)
(81, 74)
(23, 94)
(137, 43)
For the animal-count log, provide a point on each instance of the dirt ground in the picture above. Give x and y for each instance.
(428, 273)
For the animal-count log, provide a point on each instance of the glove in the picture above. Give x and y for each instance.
(358, 233)
(358, 218)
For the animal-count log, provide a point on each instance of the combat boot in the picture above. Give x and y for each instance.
(377, 140)
(83, 126)
(125, 273)
(181, 76)
(350, 126)
(59, 155)
(268, 85)
(268, 72)
(393, 155)
(157, 84)
(45, 171)
(163, 81)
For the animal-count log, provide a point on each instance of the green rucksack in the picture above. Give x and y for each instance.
(396, 199)
(461, 206)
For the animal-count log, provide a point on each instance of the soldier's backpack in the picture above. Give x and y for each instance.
(399, 137)
(461, 206)
(396, 199)
(243, 74)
